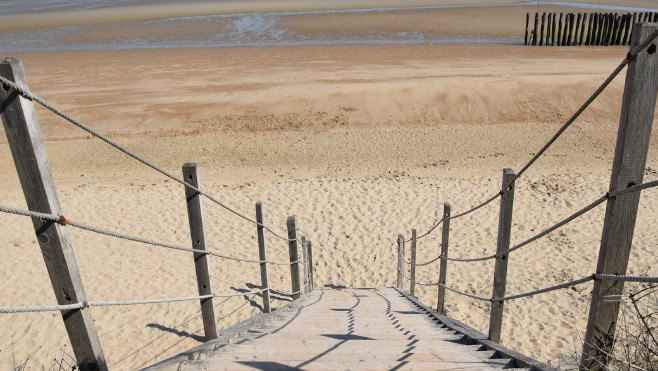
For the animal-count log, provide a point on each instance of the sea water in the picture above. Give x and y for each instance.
(222, 30)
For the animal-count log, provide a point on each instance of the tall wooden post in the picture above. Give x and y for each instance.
(198, 235)
(294, 257)
(412, 284)
(502, 244)
(24, 139)
(443, 265)
(590, 29)
(559, 31)
(637, 114)
(582, 30)
(576, 35)
(306, 279)
(309, 246)
(262, 256)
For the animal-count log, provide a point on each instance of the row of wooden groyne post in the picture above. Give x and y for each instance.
(595, 29)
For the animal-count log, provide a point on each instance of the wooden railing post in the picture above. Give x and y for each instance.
(306, 279)
(633, 137)
(24, 139)
(294, 257)
(309, 246)
(412, 284)
(399, 268)
(502, 244)
(201, 261)
(443, 264)
(262, 256)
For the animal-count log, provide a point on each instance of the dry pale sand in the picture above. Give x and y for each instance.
(359, 142)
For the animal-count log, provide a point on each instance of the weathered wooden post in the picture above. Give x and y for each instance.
(548, 28)
(309, 246)
(262, 256)
(535, 29)
(541, 32)
(400, 260)
(553, 30)
(443, 265)
(306, 279)
(403, 280)
(576, 31)
(502, 244)
(581, 38)
(294, 257)
(572, 35)
(527, 22)
(628, 168)
(412, 284)
(201, 260)
(590, 29)
(24, 139)
(559, 31)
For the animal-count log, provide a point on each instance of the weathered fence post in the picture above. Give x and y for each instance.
(400, 260)
(527, 21)
(309, 246)
(24, 139)
(443, 264)
(294, 257)
(412, 284)
(535, 29)
(628, 168)
(401, 263)
(201, 260)
(541, 32)
(502, 244)
(553, 29)
(262, 256)
(306, 279)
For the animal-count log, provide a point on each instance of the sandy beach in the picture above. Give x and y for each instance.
(360, 142)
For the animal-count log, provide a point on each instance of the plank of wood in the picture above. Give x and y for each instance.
(294, 257)
(262, 256)
(24, 138)
(635, 124)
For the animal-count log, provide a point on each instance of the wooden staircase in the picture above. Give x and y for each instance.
(350, 329)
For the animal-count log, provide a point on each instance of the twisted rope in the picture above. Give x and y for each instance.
(572, 217)
(114, 303)
(60, 219)
(629, 57)
(52, 108)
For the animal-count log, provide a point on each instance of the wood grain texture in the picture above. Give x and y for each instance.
(24, 138)
(502, 244)
(262, 256)
(412, 284)
(637, 112)
(294, 257)
(198, 236)
(443, 265)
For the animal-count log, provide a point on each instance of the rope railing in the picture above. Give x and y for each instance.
(60, 219)
(114, 303)
(576, 282)
(35, 98)
(572, 217)
(425, 263)
(629, 57)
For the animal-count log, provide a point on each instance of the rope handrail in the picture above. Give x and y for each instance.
(629, 57)
(60, 219)
(572, 217)
(425, 263)
(576, 282)
(113, 303)
(52, 108)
